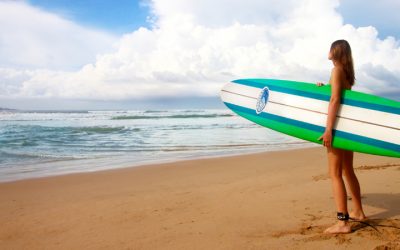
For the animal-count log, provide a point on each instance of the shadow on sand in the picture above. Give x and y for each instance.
(389, 202)
(382, 222)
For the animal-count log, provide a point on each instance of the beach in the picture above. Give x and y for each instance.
(270, 200)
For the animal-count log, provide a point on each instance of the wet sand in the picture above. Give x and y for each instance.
(272, 200)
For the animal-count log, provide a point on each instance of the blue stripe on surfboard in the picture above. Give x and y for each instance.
(317, 128)
(322, 97)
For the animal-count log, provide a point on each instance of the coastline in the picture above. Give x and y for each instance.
(76, 166)
(279, 199)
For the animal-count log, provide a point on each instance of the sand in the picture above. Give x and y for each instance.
(272, 200)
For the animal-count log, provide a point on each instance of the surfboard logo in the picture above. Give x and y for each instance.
(262, 100)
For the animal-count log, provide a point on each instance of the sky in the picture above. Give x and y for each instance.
(127, 54)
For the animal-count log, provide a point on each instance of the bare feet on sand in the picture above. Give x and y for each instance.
(342, 227)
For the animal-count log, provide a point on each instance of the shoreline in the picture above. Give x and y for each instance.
(116, 163)
(264, 200)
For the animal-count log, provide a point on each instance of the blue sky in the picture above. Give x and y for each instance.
(118, 17)
(381, 14)
(87, 54)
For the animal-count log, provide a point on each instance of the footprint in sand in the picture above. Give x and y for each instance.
(387, 231)
(320, 177)
(377, 167)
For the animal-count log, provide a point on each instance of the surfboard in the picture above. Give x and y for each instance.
(365, 123)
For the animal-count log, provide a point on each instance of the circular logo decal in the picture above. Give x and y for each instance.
(262, 100)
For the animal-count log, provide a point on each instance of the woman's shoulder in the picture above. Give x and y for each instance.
(337, 72)
(338, 76)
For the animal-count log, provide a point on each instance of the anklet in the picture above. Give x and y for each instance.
(343, 216)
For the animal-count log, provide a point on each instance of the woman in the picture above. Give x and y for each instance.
(341, 161)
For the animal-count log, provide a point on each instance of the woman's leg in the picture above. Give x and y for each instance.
(353, 184)
(335, 160)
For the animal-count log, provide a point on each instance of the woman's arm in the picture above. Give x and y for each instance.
(334, 104)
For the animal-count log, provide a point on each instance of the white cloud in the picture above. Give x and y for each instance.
(32, 38)
(197, 46)
(221, 13)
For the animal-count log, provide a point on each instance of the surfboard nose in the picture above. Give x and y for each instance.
(226, 86)
(224, 90)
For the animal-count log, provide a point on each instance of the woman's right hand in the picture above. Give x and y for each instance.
(326, 139)
(319, 84)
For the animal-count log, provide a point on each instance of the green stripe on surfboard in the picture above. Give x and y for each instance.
(324, 90)
(313, 136)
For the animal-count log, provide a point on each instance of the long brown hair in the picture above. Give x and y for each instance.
(341, 52)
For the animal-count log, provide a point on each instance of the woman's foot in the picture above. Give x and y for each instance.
(358, 215)
(342, 227)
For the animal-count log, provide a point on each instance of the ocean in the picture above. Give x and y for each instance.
(44, 143)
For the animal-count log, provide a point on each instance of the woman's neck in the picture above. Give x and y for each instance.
(336, 63)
